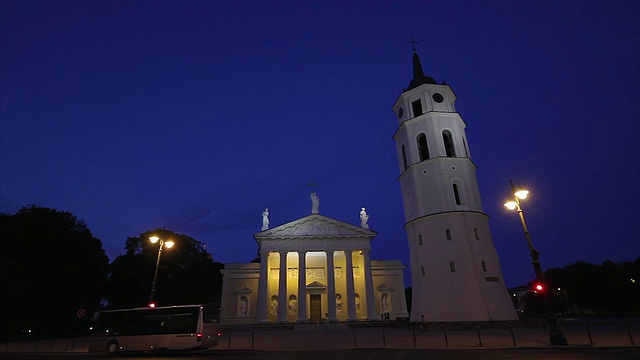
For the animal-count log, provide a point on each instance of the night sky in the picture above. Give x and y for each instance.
(195, 116)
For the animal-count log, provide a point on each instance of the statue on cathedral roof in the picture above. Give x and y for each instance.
(265, 219)
(364, 217)
(315, 203)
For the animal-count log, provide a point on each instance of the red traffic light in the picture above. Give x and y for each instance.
(538, 287)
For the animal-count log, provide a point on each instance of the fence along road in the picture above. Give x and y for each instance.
(311, 337)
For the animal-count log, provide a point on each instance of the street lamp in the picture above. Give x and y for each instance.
(556, 337)
(169, 244)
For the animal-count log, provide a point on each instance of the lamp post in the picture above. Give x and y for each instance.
(556, 337)
(169, 244)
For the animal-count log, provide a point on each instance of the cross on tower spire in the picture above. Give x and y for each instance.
(413, 43)
(418, 74)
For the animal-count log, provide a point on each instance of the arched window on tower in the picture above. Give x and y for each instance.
(484, 266)
(448, 233)
(448, 143)
(404, 157)
(452, 266)
(419, 239)
(423, 149)
(417, 108)
(456, 194)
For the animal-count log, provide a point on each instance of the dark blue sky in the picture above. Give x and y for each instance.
(198, 115)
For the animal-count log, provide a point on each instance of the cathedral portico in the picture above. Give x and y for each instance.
(311, 270)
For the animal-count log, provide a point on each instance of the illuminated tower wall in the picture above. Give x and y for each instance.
(455, 270)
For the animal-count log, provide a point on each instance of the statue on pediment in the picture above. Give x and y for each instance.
(315, 203)
(265, 219)
(364, 217)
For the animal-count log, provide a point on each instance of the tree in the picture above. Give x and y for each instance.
(186, 273)
(611, 288)
(50, 267)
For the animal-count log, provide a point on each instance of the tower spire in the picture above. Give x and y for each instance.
(418, 74)
(417, 67)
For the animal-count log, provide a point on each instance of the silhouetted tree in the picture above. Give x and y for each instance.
(611, 288)
(50, 267)
(186, 274)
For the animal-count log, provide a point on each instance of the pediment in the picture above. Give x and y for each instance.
(315, 225)
(385, 288)
(315, 286)
(243, 290)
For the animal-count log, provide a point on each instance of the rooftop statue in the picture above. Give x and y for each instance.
(364, 217)
(315, 203)
(265, 219)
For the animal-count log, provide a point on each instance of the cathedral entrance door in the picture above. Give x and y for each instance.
(315, 308)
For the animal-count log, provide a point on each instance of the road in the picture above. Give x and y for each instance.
(571, 353)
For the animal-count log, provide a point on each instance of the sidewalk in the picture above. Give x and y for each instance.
(343, 336)
(311, 337)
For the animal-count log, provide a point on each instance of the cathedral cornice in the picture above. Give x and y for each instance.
(413, 166)
(429, 114)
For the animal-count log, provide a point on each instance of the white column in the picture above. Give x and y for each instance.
(282, 288)
(262, 287)
(302, 286)
(351, 295)
(368, 283)
(331, 286)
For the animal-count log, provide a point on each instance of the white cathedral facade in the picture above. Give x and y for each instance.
(318, 269)
(315, 269)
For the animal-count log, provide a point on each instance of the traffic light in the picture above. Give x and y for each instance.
(152, 304)
(538, 287)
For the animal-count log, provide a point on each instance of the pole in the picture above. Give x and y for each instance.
(556, 337)
(152, 297)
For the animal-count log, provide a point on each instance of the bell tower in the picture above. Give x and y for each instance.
(455, 271)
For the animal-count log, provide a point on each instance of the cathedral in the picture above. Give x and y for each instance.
(319, 269)
(314, 269)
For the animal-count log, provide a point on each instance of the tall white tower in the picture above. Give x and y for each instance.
(455, 271)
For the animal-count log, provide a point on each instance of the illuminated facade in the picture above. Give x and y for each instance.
(455, 271)
(315, 269)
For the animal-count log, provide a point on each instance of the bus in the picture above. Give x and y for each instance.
(180, 327)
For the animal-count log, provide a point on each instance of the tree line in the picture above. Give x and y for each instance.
(610, 289)
(54, 274)
(582, 288)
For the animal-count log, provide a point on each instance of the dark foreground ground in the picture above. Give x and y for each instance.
(368, 354)
(610, 339)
